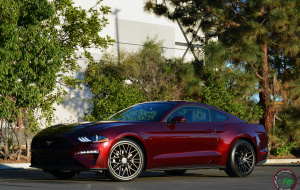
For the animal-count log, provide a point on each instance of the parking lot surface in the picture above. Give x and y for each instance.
(261, 178)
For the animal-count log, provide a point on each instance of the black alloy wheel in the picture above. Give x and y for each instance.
(126, 161)
(241, 160)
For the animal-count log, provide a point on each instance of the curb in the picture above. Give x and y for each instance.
(24, 166)
(18, 166)
(282, 161)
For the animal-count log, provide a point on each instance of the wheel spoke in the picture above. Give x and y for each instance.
(128, 149)
(115, 160)
(133, 157)
(247, 165)
(115, 157)
(133, 152)
(115, 152)
(129, 172)
(135, 165)
(124, 149)
(137, 160)
(120, 168)
(132, 169)
(249, 159)
(124, 169)
(237, 154)
(118, 164)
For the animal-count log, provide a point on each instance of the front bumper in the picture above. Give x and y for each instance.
(62, 157)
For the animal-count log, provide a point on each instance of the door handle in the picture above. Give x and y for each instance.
(171, 126)
(211, 130)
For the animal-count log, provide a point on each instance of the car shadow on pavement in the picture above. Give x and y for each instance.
(39, 176)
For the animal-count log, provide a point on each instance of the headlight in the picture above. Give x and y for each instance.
(94, 138)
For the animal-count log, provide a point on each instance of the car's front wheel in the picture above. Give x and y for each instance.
(241, 159)
(64, 174)
(126, 161)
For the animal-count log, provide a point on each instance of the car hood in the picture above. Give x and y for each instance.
(67, 129)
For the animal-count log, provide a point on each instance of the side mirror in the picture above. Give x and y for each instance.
(178, 119)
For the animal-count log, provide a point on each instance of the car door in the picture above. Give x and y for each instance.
(191, 142)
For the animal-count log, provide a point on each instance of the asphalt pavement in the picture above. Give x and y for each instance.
(7, 166)
(261, 178)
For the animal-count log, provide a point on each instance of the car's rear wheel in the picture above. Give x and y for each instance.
(64, 174)
(175, 172)
(241, 159)
(126, 161)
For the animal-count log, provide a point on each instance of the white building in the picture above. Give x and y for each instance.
(130, 26)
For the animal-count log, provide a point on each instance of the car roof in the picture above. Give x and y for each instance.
(182, 102)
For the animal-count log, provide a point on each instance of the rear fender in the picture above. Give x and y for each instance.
(254, 134)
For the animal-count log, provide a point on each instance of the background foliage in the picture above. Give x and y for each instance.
(38, 44)
(146, 75)
(134, 77)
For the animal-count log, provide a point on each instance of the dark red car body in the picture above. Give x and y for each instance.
(166, 145)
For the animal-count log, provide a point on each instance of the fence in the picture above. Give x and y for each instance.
(11, 139)
(72, 110)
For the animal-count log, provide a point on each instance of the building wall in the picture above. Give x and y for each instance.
(132, 34)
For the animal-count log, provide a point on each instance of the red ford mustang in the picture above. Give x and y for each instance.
(171, 136)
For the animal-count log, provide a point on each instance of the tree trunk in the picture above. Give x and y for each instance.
(265, 93)
(5, 150)
(16, 133)
(28, 147)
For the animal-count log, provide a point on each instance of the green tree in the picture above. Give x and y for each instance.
(286, 123)
(152, 77)
(153, 72)
(221, 93)
(248, 32)
(220, 88)
(110, 91)
(134, 77)
(39, 40)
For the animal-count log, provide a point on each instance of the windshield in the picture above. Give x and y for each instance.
(149, 112)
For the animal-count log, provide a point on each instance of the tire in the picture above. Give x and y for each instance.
(64, 174)
(175, 172)
(125, 162)
(241, 159)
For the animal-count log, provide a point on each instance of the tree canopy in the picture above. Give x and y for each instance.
(39, 40)
(39, 44)
(131, 78)
(146, 75)
(260, 36)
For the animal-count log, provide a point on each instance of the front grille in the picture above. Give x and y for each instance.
(39, 160)
(46, 162)
(51, 143)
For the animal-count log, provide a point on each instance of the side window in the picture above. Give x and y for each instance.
(179, 112)
(217, 116)
(192, 114)
(201, 115)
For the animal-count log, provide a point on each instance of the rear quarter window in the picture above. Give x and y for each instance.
(217, 116)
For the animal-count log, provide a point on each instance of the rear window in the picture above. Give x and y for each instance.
(192, 114)
(217, 116)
